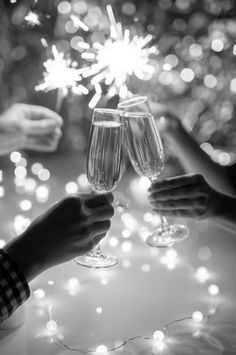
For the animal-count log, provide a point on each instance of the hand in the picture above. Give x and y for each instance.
(69, 229)
(32, 127)
(185, 196)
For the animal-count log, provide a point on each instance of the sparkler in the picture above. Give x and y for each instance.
(61, 74)
(120, 57)
(32, 18)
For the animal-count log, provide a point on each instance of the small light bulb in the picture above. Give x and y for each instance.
(39, 294)
(158, 335)
(71, 187)
(104, 281)
(101, 350)
(15, 157)
(2, 243)
(197, 316)
(146, 267)
(213, 290)
(51, 325)
(171, 254)
(126, 246)
(202, 274)
(2, 191)
(99, 310)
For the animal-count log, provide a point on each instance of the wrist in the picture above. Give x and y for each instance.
(19, 251)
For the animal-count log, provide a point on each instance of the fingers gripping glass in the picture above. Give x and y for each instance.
(145, 150)
(104, 162)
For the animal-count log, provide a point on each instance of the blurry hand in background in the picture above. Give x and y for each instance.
(24, 126)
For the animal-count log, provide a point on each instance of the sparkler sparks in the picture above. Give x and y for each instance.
(120, 57)
(32, 18)
(61, 74)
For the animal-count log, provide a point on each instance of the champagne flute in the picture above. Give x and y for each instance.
(104, 162)
(146, 153)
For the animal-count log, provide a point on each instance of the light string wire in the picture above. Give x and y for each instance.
(61, 344)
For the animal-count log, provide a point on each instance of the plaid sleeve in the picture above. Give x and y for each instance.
(14, 289)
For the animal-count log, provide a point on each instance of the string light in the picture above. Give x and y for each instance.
(2, 191)
(39, 294)
(197, 316)
(101, 350)
(213, 290)
(71, 187)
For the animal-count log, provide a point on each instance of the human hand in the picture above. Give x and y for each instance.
(72, 227)
(185, 196)
(24, 126)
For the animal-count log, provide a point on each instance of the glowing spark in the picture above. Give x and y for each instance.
(32, 19)
(78, 23)
(61, 74)
(120, 57)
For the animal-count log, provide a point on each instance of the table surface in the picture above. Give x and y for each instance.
(141, 294)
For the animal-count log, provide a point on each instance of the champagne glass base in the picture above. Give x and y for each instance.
(101, 261)
(168, 236)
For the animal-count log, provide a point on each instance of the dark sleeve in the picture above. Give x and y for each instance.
(14, 289)
(231, 170)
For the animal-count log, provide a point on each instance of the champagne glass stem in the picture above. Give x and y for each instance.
(96, 252)
(164, 223)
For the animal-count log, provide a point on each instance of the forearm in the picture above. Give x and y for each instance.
(195, 160)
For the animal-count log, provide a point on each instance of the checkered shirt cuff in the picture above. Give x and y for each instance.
(14, 289)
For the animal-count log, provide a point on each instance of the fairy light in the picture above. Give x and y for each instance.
(44, 174)
(213, 290)
(71, 187)
(39, 294)
(15, 157)
(202, 274)
(29, 185)
(32, 18)
(197, 316)
(101, 350)
(20, 172)
(42, 193)
(217, 45)
(51, 327)
(158, 335)
(126, 263)
(25, 205)
(126, 233)
(126, 246)
(2, 191)
(104, 281)
(73, 286)
(36, 167)
(148, 217)
(83, 182)
(129, 221)
(110, 67)
(146, 267)
(113, 242)
(21, 223)
(99, 310)
(2, 243)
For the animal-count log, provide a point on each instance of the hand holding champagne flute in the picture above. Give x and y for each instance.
(104, 162)
(147, 157)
